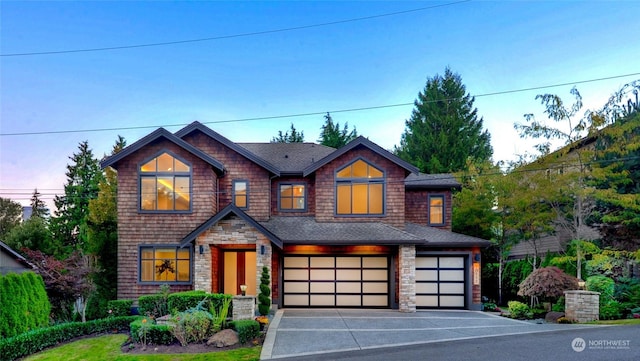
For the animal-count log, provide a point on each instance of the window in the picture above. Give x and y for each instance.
(165, 184)
(241, 194)
(165, 264)
(359, 189)
(436, 210)
(293, 197)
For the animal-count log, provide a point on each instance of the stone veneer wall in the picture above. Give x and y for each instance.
(407, 286)
(244, 307)
(582, 306)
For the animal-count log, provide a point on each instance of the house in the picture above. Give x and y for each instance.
(12, 261)
(349, 227)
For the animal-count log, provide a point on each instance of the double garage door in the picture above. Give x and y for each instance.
(440, 281)
(336, 281)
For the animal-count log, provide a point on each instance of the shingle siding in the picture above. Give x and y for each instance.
(417, 207)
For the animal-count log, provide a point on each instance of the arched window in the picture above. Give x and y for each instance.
(165, 184)
(359, 189)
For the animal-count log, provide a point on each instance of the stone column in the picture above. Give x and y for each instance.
(582, 306)
(244, 307)
(407, 278)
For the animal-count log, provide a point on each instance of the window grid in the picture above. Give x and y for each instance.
(436, 210)
(360, 190)
(165, 185)
(164, 264)
(292, 197)
(240, 192)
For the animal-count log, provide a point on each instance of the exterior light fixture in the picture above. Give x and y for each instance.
(581, 284)
(243, 289)
(201, 249)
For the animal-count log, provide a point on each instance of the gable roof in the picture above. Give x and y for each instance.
(431, 181)
(16, 256)
(289, 158)
(439, 238)
(197, 126)
(364, 142)
(226, 211)
(158, 134)
(305, 230)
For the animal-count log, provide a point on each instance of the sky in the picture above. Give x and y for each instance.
(262, 64)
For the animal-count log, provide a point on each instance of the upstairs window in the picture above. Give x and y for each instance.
(436, 209)
(241, 194)
(165, 184)
(360, 189)
(292, 197)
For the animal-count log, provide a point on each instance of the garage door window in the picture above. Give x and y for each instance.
(440, 281)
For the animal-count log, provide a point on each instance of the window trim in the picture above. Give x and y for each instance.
(444, 209)
(233, 192)
(305, 195)
(360, 180)
(156, 246)
(156, 174)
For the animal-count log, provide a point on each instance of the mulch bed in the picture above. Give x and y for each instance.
(176, 348)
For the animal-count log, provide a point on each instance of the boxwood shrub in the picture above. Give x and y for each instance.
(155, 334)
(36, 340)
(247, 329)
(119, 307)
(182, 301)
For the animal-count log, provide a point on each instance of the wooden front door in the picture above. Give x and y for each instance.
(239, 268)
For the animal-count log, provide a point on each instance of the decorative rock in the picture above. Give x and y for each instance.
(553, 316)
(224, 338)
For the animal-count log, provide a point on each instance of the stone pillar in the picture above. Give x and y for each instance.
(407, 278)
(582, 306)
(244, 307)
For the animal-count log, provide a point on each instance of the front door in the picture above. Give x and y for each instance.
(239, 268)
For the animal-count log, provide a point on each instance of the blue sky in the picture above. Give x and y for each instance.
(494, 46)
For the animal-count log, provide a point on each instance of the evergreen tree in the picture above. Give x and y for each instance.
(38, 207)
(10, 215)
(69, 225)
(103, 239)
(333, 136)
(294, 137)
(33, 234)
(444, 130)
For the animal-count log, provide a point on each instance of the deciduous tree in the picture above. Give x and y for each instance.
(10, 215)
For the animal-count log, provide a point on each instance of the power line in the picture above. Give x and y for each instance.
(298, 115)
(241, 35)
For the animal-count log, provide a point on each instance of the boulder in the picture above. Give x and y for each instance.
(224, 338)
(553, 316)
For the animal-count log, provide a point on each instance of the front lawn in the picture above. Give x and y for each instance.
(108, 348)
(626, 321)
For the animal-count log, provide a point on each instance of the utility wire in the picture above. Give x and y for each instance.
(297, 115)
(248, 34)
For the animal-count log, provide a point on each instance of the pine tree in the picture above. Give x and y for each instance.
(332, 136)
(294, 137)
(69, 225)
(444, 130)
(38, 207)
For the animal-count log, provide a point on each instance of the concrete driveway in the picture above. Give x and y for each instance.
(297, 332)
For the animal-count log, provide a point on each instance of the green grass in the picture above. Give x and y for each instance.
(108, 348)
(627, 321)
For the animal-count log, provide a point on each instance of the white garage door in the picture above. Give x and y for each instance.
(440, 281)
(336, 281)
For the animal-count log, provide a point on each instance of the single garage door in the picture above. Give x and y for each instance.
(440, 281)
(336, 281)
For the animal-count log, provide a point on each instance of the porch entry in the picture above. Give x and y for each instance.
(239, 268)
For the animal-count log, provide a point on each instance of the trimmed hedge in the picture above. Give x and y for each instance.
(182, 301)
(247, 329)
(33, 341)
(24, 304)
(153, 305)
(156, 334)
(119, 307)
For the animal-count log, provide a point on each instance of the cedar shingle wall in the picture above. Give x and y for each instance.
(417, 207)
(311, 195)
(135, 228)
(237, 167)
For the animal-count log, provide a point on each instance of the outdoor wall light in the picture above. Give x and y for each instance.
(263, 249)
(476, 257)
(201, 249)
(243, 289)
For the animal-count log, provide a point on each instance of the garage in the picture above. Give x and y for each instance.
(336, 281)
(440, 281)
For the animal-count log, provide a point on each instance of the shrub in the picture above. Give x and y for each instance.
(563, 320)
(154, 305)
(518, 309)
(150, 333)
(559, 305)
(623, 287)
(24, 304)
(602, 284)
(547, 282)
(264, 299)
(633, 294)
(611, 310)
(191, 326)
(514, 273)
(247, 329)
(182, 301)
(119, 308)
(33, 341)
(489, 306)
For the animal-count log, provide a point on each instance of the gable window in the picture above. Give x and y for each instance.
(241, 194)
(436, 209)
(165, 264)
(292, 197)
(360, 189)
(165, 184)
